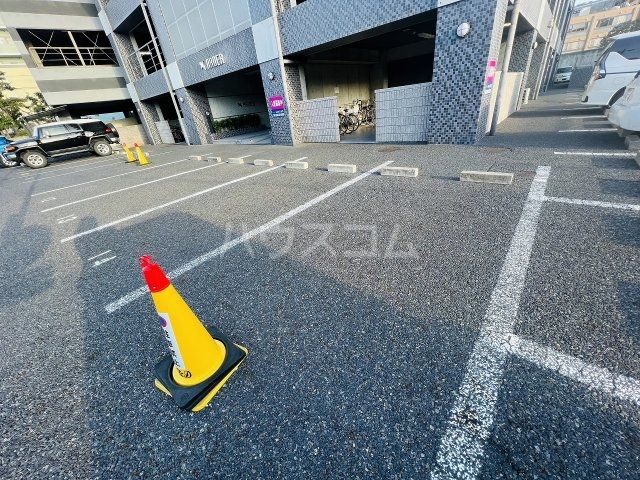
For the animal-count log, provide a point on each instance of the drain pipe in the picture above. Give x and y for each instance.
(502, 88)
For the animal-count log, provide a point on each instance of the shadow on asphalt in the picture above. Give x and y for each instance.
(623, 229)
(337, 382)
(630, 307)
(22, 275)
(615, 163)
(622, 188)
(569, 111)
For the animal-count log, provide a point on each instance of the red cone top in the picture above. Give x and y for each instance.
(153, 274)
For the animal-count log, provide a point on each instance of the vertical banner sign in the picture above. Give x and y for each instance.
(276, 105)
(491, 75)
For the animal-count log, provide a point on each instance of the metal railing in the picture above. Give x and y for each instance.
(72, 56)
(146, 59)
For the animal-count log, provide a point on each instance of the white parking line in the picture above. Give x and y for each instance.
(583, 116)
(72, 172)
(99, 255)
(469, 427)
(164, 205)
(598, 154)
(146, 169)
(596, 378)
(65, 166)
(577, 109)
(68, 218)
(97, 263)
(590, 130)
(196, 262)
(594, 203)
(112, 192)
(48, 199)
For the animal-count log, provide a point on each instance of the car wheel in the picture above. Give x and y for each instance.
(34, 159)
(7, 163)
(102, 148)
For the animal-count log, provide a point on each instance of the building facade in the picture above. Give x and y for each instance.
(588, 28)
(199, 70)
(14, 67)
(64, 46)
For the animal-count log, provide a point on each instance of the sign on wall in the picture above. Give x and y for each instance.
(212, 62)
(277, 106)
(491, 75)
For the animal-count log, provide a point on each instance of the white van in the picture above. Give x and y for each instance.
(614, 70)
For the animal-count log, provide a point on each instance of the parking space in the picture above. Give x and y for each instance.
(397, 327)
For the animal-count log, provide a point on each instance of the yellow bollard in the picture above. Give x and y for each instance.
(130, 157)
(201, 359)
(142, 158)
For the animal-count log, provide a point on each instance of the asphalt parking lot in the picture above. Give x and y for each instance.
(397, 327)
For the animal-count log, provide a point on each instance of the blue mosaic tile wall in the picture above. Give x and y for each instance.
(317, 120)
(194, 105)
(402, 113)
(316, 22)
(459, 105)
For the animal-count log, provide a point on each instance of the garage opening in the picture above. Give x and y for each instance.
(363, 76)
(238, 109)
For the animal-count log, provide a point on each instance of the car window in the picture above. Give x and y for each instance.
(53, 130)
(73, 127)
(565, 70)
(629, 48)
(92, 127)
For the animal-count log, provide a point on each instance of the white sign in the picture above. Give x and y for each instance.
(211, 62)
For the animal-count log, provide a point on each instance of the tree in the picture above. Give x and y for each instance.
(11, 109)
(36, 103)
(626, 27)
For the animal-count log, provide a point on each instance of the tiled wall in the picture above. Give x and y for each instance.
(580, 77)
(238, 51)
(315, 22)
(402, 113)
(317, 120)
(195, 105)
(522, 55)
(119, 10)
(151, 85)
(149, 117)
(459, 104)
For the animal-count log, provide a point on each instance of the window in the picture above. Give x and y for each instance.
(605, 22)
(595, 43)
(578, 27)
(53, 130)
(572, 46)
(60, 48)
(629, 48)
(622, 19)
(196, 24)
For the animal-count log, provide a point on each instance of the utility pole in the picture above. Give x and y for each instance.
(502, 88)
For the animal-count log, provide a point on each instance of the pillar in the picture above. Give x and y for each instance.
(460, 104)
(195, 105)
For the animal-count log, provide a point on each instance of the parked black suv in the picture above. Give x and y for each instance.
(61, 138)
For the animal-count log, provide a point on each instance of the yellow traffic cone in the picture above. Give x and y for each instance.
(201, 360)
(130, 157)
(142, 158)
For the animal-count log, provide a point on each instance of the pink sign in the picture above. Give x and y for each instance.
(491, 75)
(276, 105)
